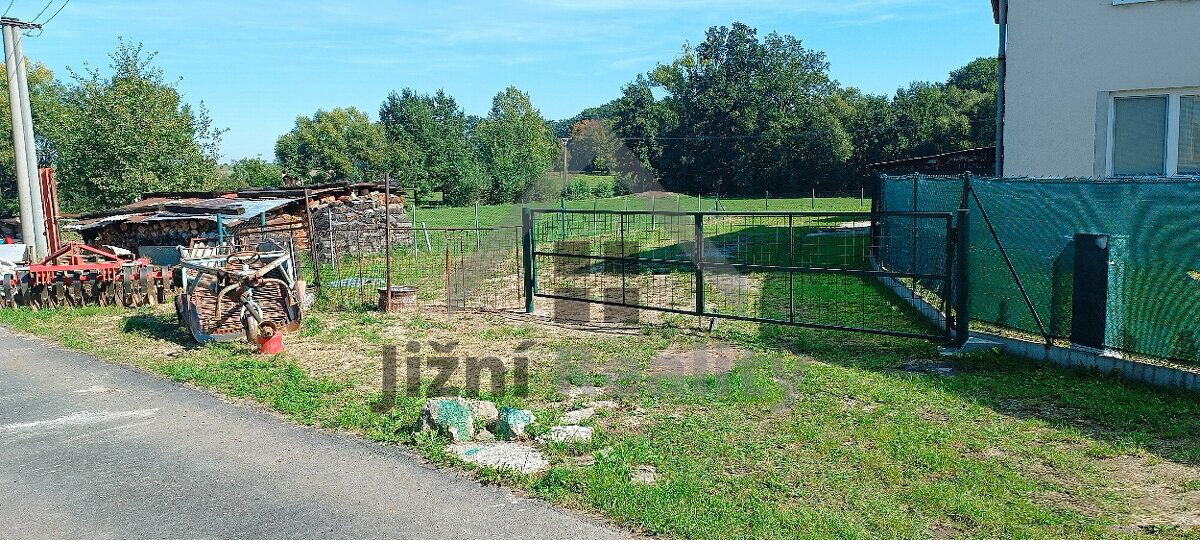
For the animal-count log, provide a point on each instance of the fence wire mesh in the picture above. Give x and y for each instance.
(808, 269)
(431, 268)
(1154, 284)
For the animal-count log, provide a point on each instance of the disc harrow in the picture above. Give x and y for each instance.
(77, 275)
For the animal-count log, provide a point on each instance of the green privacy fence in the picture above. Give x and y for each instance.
(1154, 229)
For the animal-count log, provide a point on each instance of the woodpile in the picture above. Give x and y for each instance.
(173, 232)
(345, 219)
(281, 228)
(355, 224)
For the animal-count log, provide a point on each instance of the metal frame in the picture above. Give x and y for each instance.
(701, 265)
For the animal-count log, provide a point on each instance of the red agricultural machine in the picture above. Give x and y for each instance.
(76, 274)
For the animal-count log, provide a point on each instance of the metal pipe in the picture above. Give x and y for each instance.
(35, 185)
(18, 134)
(387, 241)
(1002, 75)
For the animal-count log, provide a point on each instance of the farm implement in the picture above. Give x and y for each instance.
(77, 274)
(231, 292)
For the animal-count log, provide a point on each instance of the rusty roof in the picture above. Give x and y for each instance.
(233, 206)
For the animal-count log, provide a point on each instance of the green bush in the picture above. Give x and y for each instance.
(602, 190)
(578, 190)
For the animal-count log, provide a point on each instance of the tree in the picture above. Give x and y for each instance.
(980, 75)
(871, 124)
(593, 145)
(46, 106)
(432, 132)
(255, 172)
(978, 80)
(752, 115)
(515, 146)
(130, 133)
(336, 146)
(638, 119)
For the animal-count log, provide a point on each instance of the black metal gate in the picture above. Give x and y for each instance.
(808, 269)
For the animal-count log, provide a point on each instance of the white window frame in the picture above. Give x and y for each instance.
(1174, 109)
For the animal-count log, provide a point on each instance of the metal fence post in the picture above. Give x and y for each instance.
(699, 264)
(312, 241)
(387, 241)
(962, 304)
(563, 218)
(528, 241)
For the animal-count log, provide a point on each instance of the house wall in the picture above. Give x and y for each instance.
(1065, 57)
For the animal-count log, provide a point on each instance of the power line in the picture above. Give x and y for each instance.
(9, 8)
(44, 8)
(47, 21)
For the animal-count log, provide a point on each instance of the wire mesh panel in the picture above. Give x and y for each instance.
(432, 269)
(806, 269)
(816, 269)
(634, 259)
(1153, 305)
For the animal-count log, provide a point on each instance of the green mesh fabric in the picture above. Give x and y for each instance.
(1154, 296)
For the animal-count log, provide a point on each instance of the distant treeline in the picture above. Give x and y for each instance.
(741, 115)
(736, 114)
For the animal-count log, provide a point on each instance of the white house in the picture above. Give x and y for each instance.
(1101, 87)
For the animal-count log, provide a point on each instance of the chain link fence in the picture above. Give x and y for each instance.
(1022, 236)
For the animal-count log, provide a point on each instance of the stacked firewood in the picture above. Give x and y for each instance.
(357, 224)
(173, 232)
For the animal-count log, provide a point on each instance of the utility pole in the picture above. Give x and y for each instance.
(29, 189)
(564, 142)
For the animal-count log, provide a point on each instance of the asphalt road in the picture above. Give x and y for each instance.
(90, 449)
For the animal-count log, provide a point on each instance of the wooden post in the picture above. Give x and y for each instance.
(312, 240)
(387, 228)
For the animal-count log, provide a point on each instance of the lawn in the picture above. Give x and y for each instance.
(810, 435)
(433, 216)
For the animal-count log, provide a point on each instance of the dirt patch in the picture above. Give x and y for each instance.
(1162, 494)
(712, 360)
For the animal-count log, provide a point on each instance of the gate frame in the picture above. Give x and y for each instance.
(956, 256)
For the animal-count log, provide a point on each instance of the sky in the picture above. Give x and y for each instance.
(259, 64)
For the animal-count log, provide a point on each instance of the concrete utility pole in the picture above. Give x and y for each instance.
(35, 183)
(29, 188)
(564, 142)
(18, 135)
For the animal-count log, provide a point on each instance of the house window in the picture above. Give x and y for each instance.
(1154, 134)
(1189, 135)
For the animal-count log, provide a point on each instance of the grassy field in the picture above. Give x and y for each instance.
(510, 214)
(809, 435)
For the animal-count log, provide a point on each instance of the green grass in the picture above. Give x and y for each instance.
(510, 214)
(812, 435)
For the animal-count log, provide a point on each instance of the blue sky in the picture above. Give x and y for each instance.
(258, 64)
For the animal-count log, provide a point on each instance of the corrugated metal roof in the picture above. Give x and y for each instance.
(233, 211)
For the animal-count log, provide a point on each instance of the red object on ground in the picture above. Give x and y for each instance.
(270, 339)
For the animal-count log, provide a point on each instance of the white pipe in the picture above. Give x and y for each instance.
(35, 182)
(18, 132)
(1002, 76)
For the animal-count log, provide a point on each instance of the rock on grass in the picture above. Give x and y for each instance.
(511, 423)
(567, 434)
(501, 455)
(451, 417)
